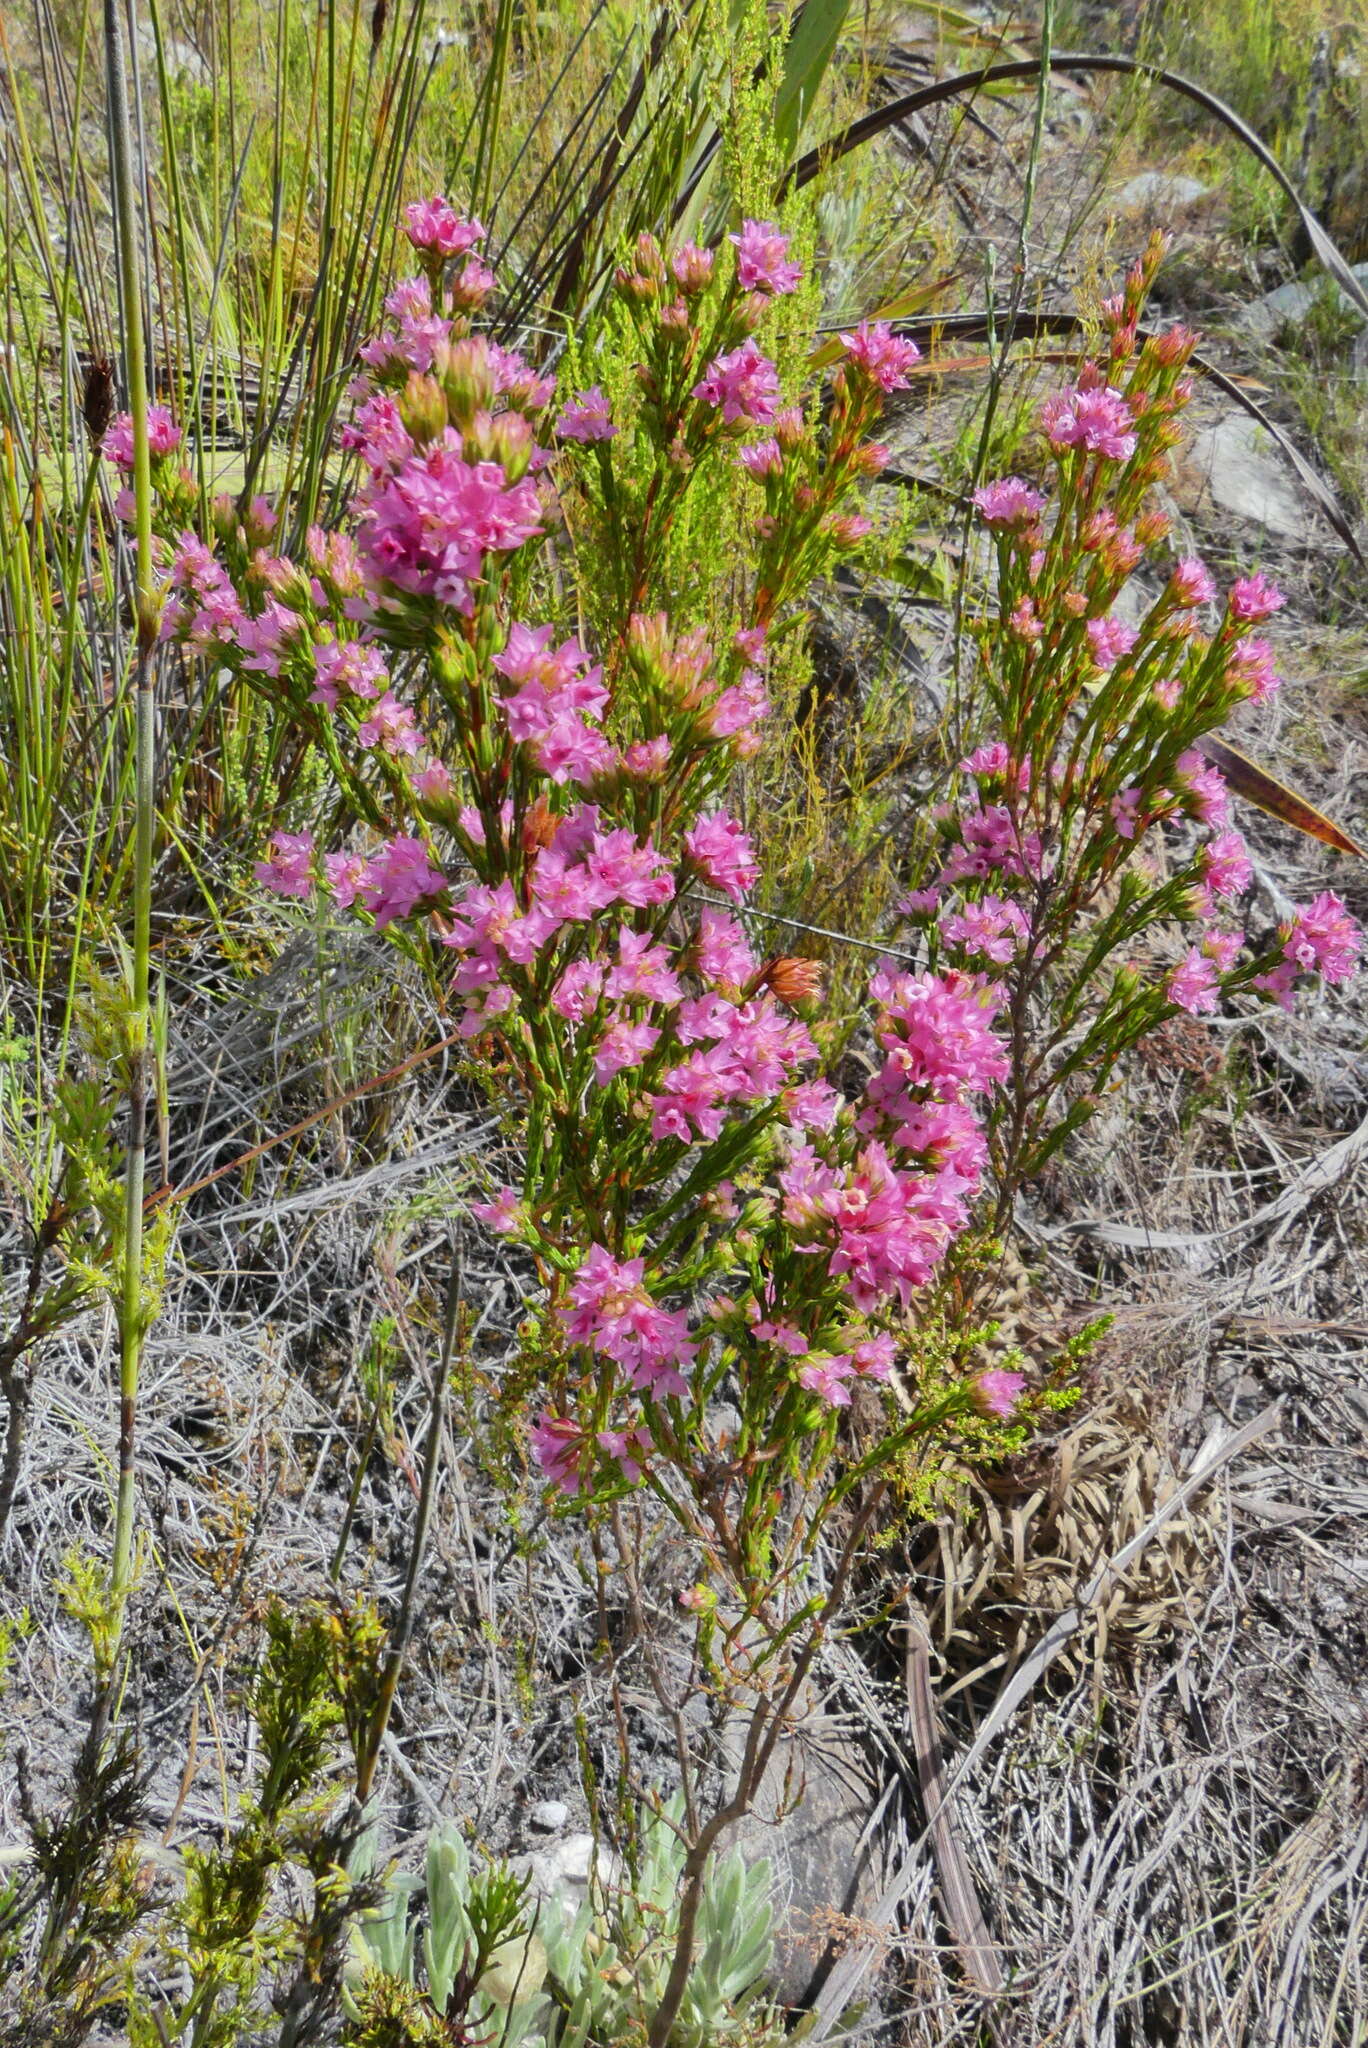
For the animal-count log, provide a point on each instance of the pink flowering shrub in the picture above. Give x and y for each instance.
(546, 813)
(1090, 828)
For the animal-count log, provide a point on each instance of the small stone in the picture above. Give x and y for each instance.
(1159, 192)
(548, 1816)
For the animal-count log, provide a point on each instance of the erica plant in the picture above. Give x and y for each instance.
(1091, 829)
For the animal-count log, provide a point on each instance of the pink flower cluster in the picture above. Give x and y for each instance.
(762, 259)
(202, 610)
(723, 854)
(1322, 939)
(1096, 421)
(434, 226)
(586, 418)
(163, 438)
(884, 1222)
(991, 929)
(559, 691)
(427, 526)
(613, 1314)
(347, 668)
(565, 1451)
(1009, 503)
(990, 841)
(883, 1231)
(744, 383)
(879, 354)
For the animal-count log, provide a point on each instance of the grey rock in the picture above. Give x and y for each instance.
(1290, 303)
(1233, 466)
(812, 1820)
(1159, 192)
(548, 1816)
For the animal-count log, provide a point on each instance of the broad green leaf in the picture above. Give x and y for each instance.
(806, 59)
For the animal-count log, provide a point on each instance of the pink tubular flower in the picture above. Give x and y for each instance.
(692, 268)
(643, 971)
(1324, 939)
(288, 870)
(760, 259)
(1225, 865)
(347, 665)
(1191, 584)
(992, 928)
(1110, 640)
(996, 1394)
(163, 438)
(811, 1106)
(885, 1231)
(625, 1447)
(647, 760)
(586, 418)
(552, 680)
(572, 751)
(1280, 982)
(1009, 502)
(432, 782)
(782, 1333)
(762, 459)
(506, 1215)
(398, 880)
(1224, 948)
(882, 356)
(576, 994)
(919, 903)
(826, 1373)
(1192, 985)
(203, 609)
(1254, 597)
(990, 839)
(614, 1315)
(471, 286)
(723, 854)
(744, 383)
(1099, 422)
(559, 1447)
(622, 1045)
(988, 762)
(345, 873)
(738, 709)
(389, 726)
(935, 1029)
(435, 226)
(873, 1357)
(1203, 788)
(721, 950)
(1250, 670)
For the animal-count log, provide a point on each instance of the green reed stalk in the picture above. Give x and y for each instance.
(138, 1024)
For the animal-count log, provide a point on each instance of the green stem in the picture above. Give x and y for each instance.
(144, 797)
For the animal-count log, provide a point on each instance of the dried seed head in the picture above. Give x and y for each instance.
(792, 980)
(97, 399)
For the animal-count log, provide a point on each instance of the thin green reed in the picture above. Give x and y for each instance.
(138, 1021)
